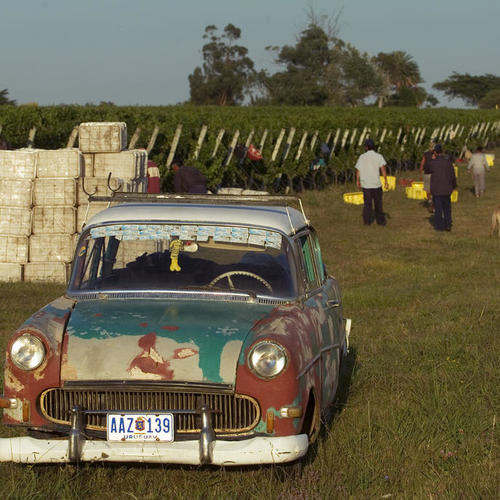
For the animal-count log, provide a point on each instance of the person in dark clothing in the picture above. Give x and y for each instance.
(188, 179)
(443, 182)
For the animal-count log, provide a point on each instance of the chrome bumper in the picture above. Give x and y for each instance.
(205, 450)
(257, 450)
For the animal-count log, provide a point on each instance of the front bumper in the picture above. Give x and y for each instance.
(257, 450)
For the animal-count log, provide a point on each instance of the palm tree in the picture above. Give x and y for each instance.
(399, 71)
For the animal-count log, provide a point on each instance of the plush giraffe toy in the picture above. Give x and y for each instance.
(175, 247)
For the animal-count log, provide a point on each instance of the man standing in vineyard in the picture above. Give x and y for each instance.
(188, 179)
(368, 169)
(443, 182)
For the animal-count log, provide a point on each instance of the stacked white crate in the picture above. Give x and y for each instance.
(17, 169)
(103, 145)
(51, 243)
(43, 204)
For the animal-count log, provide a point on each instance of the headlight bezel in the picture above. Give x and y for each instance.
(266, 344)
(36, 359)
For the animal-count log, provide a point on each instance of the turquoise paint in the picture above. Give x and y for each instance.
(207, 325)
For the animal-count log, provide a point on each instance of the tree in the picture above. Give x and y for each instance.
(227, 73)
(408, 96)
(4, 97)
(321, 69)
(491, 100)
(304, 78)
(359, 77)
(398, 71)
(469, 88)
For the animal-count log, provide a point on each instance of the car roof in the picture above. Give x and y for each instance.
(285, 219)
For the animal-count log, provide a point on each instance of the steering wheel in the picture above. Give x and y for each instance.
(240, 273)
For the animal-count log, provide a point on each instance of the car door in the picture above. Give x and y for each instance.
(324, 307)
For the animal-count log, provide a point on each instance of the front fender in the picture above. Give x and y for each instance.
(48, 324)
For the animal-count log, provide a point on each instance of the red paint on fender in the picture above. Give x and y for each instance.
(149, 364)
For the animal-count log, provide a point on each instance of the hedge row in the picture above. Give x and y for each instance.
(405, 132)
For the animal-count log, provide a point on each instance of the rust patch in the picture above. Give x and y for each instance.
(12, 382)
(170, 328)
(68, 372)
(150, 361)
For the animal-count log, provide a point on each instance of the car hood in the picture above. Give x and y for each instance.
(150, 339)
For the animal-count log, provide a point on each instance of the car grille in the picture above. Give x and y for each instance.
(233, 413)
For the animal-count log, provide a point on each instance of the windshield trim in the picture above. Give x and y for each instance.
(179, 295)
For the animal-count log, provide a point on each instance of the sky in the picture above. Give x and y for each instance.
(140, 52)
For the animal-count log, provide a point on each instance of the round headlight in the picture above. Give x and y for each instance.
(267, 359)
(27, 352)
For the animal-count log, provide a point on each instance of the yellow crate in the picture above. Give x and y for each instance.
(353, 198)
(415, 193)
(454, 196)
(456, 170)
(490, 158)
(391, 180)
(417, 185)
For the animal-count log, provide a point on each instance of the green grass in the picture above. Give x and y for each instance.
(418, 412)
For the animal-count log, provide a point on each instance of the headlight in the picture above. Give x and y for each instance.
(27, 352)
(267, 359)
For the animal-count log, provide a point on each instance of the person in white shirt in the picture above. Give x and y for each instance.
(478, 166)
(369, 167)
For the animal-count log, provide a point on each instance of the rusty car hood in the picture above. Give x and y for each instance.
(152, 339)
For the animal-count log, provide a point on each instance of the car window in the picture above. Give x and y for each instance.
(317, 256)
(308, 261)
(152, 257)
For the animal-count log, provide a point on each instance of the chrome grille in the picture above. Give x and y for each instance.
(233, 413)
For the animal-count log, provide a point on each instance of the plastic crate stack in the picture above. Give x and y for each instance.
(43, 203)
(52, 241)
(103, 145)
(17, 170)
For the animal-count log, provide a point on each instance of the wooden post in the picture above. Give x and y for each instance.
(234, 141)
(135, 138)
(31, 138)
(72, 138)
(218, 140)
(301, 146)
(334, 143)
(288, 143)
(399, 134)
(422, 135)
(382, 137)
(353, 136)
(201, 138)
(263, 140)
(152, 141)
(173, 146)
(314, 139)
(344, 138)
(278, 144)
(362, 136)
(249, 138)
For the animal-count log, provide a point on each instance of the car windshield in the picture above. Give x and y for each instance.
(152, 257)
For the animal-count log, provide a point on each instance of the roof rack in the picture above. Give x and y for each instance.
(218, 199)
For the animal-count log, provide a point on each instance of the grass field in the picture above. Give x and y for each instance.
(418, 414)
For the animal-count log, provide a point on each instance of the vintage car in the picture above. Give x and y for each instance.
(194, 330)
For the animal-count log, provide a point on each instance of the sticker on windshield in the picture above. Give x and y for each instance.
(189, 232)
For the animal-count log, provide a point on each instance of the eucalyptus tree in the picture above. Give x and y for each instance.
(227, 73)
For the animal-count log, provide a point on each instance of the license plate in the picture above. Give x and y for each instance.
(140, 427)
